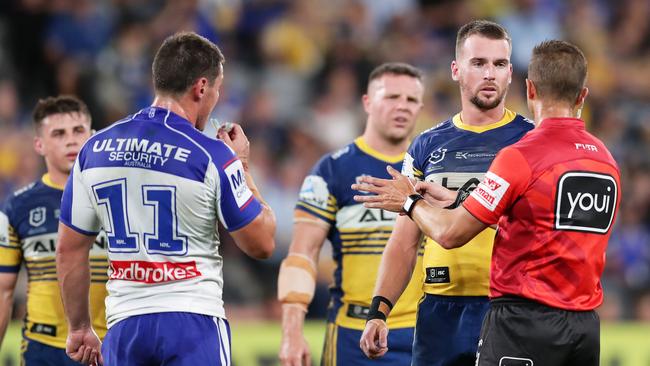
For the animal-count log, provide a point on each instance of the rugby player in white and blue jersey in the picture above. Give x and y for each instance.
(159, 187)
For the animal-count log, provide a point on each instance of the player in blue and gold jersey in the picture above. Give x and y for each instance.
(28, 233)
(326, 210)
(456, 154)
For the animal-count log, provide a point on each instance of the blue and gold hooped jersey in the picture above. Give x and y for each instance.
(29, 224)
(358, 234)
(457, 155)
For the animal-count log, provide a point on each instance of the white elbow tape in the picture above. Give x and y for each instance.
(297, 280)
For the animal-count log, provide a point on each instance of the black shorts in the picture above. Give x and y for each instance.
(520, 332)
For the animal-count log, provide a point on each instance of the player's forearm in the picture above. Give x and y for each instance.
(396, 269)
(73, 272)
(440, 225)
(6, 304)
(253, 187)
(293, 320)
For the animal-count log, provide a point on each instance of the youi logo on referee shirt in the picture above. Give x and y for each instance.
(585, 202)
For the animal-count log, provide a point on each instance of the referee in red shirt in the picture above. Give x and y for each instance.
(554, 196)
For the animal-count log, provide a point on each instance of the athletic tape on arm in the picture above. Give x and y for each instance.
(297, 280)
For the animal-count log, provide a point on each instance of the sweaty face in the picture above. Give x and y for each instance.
(483, 71)
(60, 139)
(393, 103)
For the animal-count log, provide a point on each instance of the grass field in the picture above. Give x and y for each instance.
(256, 344)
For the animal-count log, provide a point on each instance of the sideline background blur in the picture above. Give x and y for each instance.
(294, 75)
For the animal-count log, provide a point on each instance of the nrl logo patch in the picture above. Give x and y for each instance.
(37, 216)
(437, 156)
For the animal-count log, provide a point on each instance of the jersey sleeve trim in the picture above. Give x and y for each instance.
(79, 230)
(320, 214)
(505, 181)
(253, 202)
(14, 241)
(10, 269)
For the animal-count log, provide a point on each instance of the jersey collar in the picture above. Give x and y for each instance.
(391, 159)
(47, 180)
(565, 122)
(508, 117)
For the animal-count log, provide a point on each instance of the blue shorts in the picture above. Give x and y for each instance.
(170, 339)
(38, 354)
(448, 329)
(342, 348)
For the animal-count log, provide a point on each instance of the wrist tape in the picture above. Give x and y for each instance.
(380, 307)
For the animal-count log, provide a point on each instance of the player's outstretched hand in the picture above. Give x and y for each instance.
(389, 194)
(237, 140)
(84, 346)
(374, 340)
(294, 350)
(435, 194)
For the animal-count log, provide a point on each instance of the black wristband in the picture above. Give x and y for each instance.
(409, 205)
(374, 312)
(463, 193)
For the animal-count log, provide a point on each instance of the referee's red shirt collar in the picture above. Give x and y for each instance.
(562, 122)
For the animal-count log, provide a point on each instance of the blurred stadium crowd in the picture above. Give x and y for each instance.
(294, 75)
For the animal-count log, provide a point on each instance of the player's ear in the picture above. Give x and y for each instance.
(38, 146)
(365, 100)
(582, 96)
(454, 70)
(200, 88)
(510, 74)
(531, 91)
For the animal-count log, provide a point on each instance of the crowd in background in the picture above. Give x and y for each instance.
(294, 75)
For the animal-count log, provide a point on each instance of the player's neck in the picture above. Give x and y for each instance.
(175, 105)
(383, 145)
(542, 112)
(474, 116)
(57, 178)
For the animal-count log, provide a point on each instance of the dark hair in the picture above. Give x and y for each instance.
(55, 105)
(558, 69)
(395, 68)
(485, 28)
(182, 59)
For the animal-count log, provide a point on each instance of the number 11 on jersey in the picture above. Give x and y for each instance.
(164, 239)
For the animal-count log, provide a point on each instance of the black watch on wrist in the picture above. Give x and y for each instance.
(410, 203)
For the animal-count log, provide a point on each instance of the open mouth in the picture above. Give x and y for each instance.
(71, 156)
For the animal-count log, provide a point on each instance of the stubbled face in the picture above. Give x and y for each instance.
(60, 138)
(483, 71)
(209, 101)
(393, 103)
